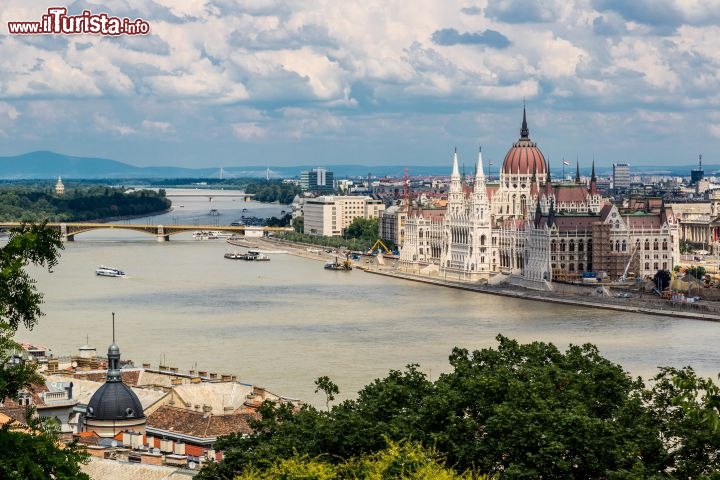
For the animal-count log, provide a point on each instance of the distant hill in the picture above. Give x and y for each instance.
(46, 165)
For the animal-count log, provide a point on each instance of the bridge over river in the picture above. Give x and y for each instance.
(210, 194)
(68, 231)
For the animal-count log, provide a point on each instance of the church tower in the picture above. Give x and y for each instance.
(114, 407)
(454, 246)
(59, 187)
(479, 257)
(455, 194)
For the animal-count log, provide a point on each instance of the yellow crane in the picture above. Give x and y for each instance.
(379, 243)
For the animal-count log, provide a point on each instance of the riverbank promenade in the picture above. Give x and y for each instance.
(645, 304)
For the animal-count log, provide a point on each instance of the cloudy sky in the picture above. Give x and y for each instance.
(265, 82)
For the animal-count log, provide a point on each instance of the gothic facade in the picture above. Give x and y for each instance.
(527, 226)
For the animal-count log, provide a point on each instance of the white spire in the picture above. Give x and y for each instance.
(479, 192)
(479, 174)
(456, 170)
(455, 195)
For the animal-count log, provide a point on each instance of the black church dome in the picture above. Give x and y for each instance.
(114, 401)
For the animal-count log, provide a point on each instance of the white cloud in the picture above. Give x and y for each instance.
(266, 70)
(105, 124)
(157, 126)
(8, 112)
(248, 131)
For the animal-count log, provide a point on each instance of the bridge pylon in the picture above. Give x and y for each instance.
(161, 237)
(64, 236)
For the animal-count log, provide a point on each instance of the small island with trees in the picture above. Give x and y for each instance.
(37, 202)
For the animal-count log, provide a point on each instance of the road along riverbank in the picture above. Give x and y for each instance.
(647, 304)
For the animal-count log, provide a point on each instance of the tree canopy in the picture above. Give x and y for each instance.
(34, 452)
(80, 202)
(518, 411)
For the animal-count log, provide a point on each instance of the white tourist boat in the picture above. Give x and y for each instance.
(211, 235)
(104, 271)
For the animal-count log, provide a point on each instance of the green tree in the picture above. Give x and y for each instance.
(686, 246)
(35, 455)
(518, 411)
(687, 408)
(329, 388)
(399, 460)
(298, 224)
(531, 411)
(696, 271)
(363, 228)
(661, 280)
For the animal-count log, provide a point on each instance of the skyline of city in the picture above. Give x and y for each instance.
(248, 83)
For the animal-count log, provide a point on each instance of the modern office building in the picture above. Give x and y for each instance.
(330, 215)
(317, 180)
(621, 176)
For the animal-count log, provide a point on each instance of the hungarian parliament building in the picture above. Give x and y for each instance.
(537, 230)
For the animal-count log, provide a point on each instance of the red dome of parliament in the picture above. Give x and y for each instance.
(524, 157)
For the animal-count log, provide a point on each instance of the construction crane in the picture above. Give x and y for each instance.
(627, 267)
(379, 243)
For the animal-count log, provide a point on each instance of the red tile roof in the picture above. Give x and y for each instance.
(128, 377)
(197, 424)
(570, 193)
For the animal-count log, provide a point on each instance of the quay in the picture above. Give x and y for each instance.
(648, 304)
(634, 305)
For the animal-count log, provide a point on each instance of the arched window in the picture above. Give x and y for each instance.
(571, 246)
(624, 246)
(482, 239)
(647, 266)
(656, 246)
(664, 245)
(562, 245)
(647, 244)
(581, 246)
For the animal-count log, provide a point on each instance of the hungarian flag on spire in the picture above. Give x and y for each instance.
(565, 162)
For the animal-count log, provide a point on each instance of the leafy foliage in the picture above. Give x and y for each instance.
(662, 279)
(80, 203)
(398, 460)
(687, 408)
(298, 224)
(696, 271)
(331, 242)
(363, 228)
(273, 191)
(516, 412)
(686, 246)
(36, 452)
(328, 387)
(283, 221)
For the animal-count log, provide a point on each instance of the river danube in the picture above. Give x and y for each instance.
(281, 324)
